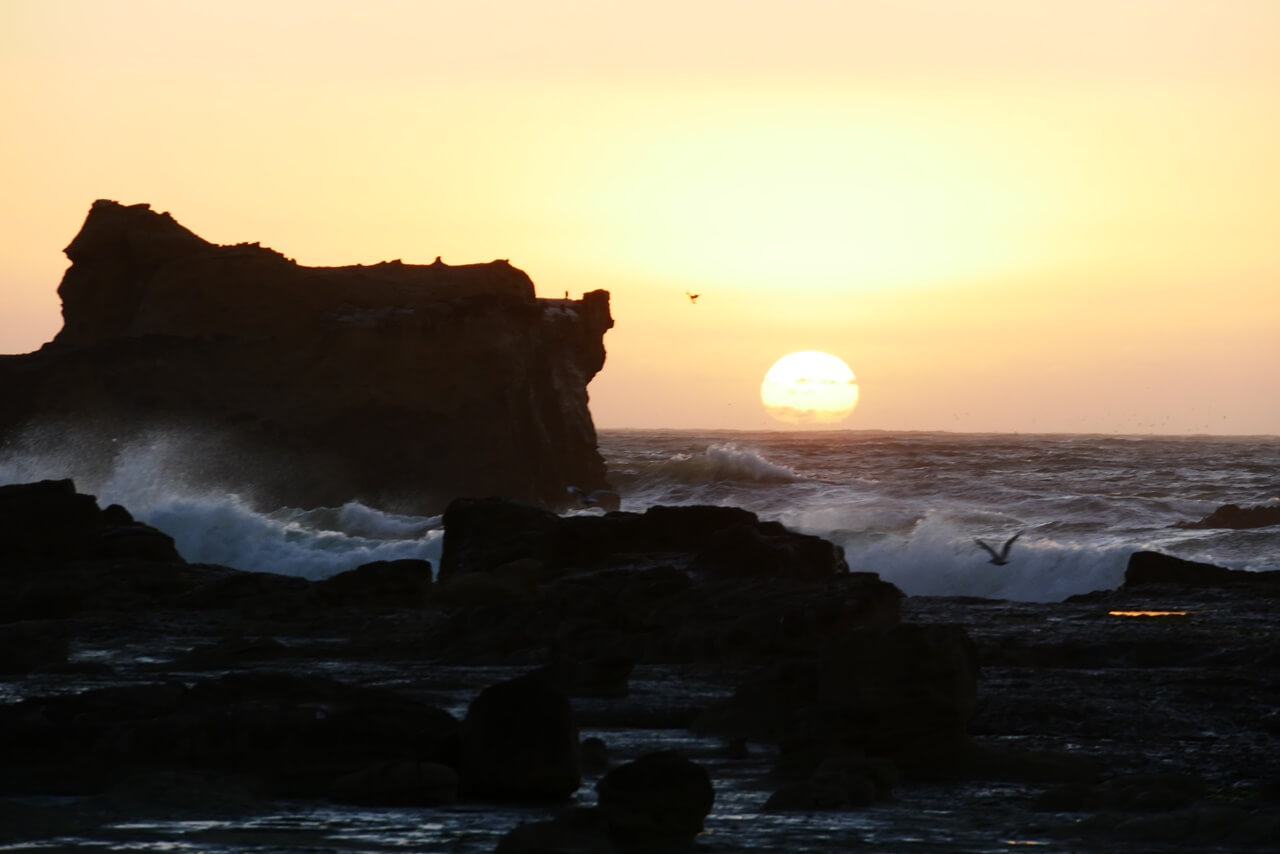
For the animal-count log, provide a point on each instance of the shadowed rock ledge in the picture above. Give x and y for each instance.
(403, 385)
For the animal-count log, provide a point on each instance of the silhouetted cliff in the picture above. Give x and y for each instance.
(404, 385)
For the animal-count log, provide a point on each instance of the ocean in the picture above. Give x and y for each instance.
(908, 506)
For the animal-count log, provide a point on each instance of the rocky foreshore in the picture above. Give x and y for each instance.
(757, 669)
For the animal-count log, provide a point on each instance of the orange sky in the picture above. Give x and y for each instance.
(1050, 216)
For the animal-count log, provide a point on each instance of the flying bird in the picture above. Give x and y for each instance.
(693, 298)
(605, 499)
(1001, 558)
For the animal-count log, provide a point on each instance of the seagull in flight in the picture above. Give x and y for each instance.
(605, 499)
(1002, 557)
(693, 298)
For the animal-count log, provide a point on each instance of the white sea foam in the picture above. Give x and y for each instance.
(937, 559)
(905, 506)
(147, 478)
(225, 530)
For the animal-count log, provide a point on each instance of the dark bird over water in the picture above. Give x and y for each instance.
(693, 298)
(605, 499)
(1003, 557)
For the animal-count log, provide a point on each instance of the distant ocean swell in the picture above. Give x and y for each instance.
(906, 506)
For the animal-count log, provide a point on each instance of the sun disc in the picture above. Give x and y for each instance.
(809, 387)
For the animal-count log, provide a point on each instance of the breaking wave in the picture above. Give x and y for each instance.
(148, 478)
(938, 558)
(726, 462)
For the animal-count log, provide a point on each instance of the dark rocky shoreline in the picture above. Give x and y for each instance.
(138, 684)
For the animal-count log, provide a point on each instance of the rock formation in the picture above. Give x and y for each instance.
(402, 385)
(1237, 517)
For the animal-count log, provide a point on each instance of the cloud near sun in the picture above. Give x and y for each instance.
(809, 387)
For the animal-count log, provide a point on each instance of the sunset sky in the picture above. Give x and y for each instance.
(1004, 215)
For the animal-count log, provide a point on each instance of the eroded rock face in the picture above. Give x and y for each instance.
(402, 385)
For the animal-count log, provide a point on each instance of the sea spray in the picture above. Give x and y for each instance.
(224, 530)
(910, 506)
(906, 506)
(937, 559)
(148, 477)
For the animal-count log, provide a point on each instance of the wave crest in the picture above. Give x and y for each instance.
(726, 462)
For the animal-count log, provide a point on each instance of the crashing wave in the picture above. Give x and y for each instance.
(726, 462)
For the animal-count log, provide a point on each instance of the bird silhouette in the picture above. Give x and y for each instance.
(693, 298)
(1002, 557)
(605, 499)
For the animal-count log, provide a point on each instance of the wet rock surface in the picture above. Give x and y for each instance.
(831, 712)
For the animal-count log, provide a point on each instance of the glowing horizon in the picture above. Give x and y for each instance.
(1050, 217)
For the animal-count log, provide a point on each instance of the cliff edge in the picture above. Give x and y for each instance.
(400, 385)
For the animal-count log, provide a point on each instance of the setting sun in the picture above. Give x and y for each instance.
(809, 387)
(1052, 216)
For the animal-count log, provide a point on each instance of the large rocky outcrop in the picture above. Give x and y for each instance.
(404, 385)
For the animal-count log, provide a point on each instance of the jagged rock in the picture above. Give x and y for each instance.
(399, 384)
(1235, 516)
(519, 741)
(656, 803)
(486, 535)
(49, 520)
(1156, 568)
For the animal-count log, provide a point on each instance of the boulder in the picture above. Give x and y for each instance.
(497, 535)
(519, 741)
(49, 520)
(1155, 568)
(770, 551)
(399, 384)
(656, 803)
(482, 534)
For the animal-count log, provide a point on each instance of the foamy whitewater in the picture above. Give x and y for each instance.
(908, 506)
